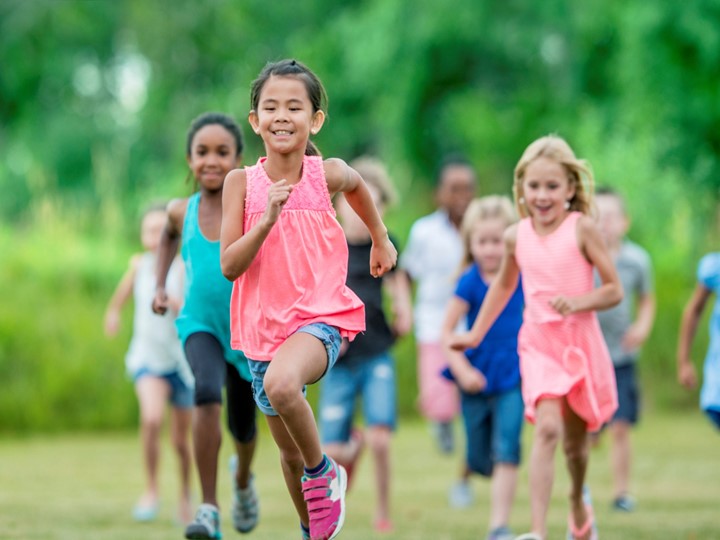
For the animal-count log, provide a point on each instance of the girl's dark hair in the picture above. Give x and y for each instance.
(211, 119)
(292, 68)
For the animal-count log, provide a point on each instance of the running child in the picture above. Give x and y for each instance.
(156, 363)
(214, 147)
(288, 258)
(625, 327)
(430, 259)
(568, 383)
(489, 375)
(366, 367)
(708, 283)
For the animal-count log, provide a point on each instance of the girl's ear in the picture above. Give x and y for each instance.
(317, 122)
(254, 123)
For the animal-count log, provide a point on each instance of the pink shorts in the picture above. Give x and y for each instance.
(438, 400)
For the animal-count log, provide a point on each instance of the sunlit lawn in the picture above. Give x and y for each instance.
(83, 487)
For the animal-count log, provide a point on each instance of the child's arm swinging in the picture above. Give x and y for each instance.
(122, 294)
(470, 379)
(341, 177)
(167, 251)
(497, 297)
(688, 327)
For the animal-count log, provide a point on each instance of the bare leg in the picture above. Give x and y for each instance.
(379, 442)
(621, 456)
(576, 447)
(245, 453)
(548, 429)
(152, 393)
(291, 462)
(180, 421)
(207, 437)
(504, 482)
(300, 360)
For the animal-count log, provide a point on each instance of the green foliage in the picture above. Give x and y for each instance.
(96, 97)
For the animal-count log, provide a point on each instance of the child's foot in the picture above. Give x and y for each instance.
(184, 514)
(383, 526)
(206, 525)
(500, 533)
(146, 509)
(624, 503)
(324, 494)
(357, 444)
(461, 495)
(245, 504)
(588, 529)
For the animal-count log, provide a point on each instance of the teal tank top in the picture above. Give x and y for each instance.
(207, 292)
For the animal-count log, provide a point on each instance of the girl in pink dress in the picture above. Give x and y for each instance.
(568, 382)
(287, 255)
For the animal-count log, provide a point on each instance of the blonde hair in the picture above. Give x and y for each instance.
(481, 209)
(374, 173)
(578, 171)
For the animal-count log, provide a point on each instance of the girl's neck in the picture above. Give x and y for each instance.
(488, 277)
(284, 167)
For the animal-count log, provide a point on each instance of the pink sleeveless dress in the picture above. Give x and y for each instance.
(298, 275)
(561, 356)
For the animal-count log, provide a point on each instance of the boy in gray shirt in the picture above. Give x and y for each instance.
(625, 327)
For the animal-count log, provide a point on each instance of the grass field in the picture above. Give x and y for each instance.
(83, 487)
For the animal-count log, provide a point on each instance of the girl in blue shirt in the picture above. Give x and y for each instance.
(489, 375)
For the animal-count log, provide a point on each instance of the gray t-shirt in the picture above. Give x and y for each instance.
(635, 272)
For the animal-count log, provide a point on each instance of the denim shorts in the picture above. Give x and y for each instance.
(493, 429)
(330, 337)
(372, 378)
(628, 394)
(181, 395)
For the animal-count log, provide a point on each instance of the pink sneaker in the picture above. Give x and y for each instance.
(325, 499)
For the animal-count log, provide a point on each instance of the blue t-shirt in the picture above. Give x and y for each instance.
(708, 276)
(496, 357)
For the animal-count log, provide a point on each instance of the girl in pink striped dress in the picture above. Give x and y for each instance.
(568, 382)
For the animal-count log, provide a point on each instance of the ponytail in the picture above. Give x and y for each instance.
(311, 149)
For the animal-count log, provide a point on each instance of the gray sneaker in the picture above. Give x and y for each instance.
(206, 525)
(245, 504)
(500, 533)
(461, 495)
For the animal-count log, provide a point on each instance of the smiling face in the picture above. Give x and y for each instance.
(546, 188)
(285, 117)
(213, 154)
(486, 244)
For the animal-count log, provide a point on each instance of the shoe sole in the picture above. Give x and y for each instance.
(343, 488)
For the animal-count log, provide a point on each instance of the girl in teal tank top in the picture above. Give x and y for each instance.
(214, 147)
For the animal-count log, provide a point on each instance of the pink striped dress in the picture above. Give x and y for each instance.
(561, 356)
(298, 275)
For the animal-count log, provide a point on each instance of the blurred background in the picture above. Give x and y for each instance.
(96, 97)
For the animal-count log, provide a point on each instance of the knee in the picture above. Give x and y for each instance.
(151, 422)
(576, 448)
(548, 431)
(281, 391)
(379, 439)
(207, 393)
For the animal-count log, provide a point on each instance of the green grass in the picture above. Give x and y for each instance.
(83, 487)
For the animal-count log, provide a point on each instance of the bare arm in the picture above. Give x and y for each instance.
(497, 297)
(169, 243)
(120, 296)
(468, 377)
(688, 327)
(238, 248)
(398, 288)
(640, 329)
(343, 178)
(610, 292)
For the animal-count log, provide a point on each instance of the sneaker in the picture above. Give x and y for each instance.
(461, 495)
(500, 533)
(325, 498)
(624, 503)
(383, 526)
(145, 512)
(206, 525)
(445, 437)
(589, 526)
(245, 503)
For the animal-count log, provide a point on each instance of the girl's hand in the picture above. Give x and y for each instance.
(112, 323)
(383, 257)
(461, 342)
(563, 305)
(687, 376)
(472, 381)
(160, 302)
(633, 338)
(278, 195)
